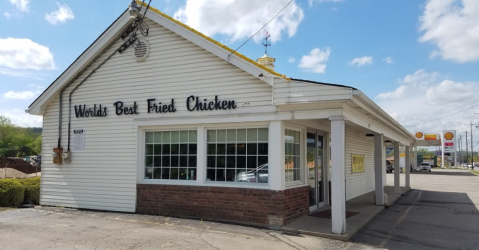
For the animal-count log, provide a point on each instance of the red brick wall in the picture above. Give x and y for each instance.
(244, 205)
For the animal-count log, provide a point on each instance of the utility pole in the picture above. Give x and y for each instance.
(472, 149)
(467, 154)
(459, 152)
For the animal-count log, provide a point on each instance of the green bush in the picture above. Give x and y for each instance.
(11, 193)
(32, 189)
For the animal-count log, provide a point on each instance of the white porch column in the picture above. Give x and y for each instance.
(338, 177)
(408, 168)
(379, 168)
(276, 155)
(326, 168)
(397, 170)
(415, 158)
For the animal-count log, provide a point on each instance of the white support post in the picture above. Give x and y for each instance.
(326, 168)
(276, 155)
(397, 170)
(201, 153)
(407, 167)
(379, 168)
(415, 158)
(338, 176)
(442, 148)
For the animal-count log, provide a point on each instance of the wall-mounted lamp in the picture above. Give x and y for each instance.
(369, 135)
(133, 10)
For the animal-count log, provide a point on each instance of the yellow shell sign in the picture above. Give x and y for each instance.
(448, 136)
(419, 135)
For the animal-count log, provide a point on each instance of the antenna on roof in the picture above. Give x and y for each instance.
(266, 44)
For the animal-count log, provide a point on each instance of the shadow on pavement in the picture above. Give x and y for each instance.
(424, 220)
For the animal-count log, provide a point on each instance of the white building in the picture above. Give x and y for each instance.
(182, 127)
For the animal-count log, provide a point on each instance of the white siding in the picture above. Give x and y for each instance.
(103, 176)
(358, 184)
(307, 92)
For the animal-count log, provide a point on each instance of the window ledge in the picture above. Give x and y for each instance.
(294, 184)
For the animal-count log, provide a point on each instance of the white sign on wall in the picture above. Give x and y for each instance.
(78, 140)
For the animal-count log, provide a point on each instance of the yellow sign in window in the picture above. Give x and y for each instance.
(357, 163)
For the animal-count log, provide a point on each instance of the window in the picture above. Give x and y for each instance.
(170, 155)
(292, 155)
(237, 155)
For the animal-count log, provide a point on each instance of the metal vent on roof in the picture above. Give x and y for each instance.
(141, 50)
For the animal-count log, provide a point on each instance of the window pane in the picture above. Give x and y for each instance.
(174, 173)
(210, 175)
(165, 161)
(230, 174)
(252, 134)
(231, 149)
(149, 161)
(220, 162)
(149, 149)
(211, 135)
(175, 136)
(175, 161)
(192, 174)
(220, 175)
(252, 162)
(211, 162)
(211, 149)
(192, 161)
(183, 136)
(157, 149)
(263, 134)
(241, 162)
(183, 161)
(221, 149)
(262, 160)
(165, 149)
(241, 148)
(166, 137)
(192, 136)
(175, 149)
(292, 156)
(165, 173)
(158, 137)
(192, 149)
(149, 173)
(183, 149)
(183, 174)
(221, 135)
(157, 161)
(149, 137)
(231, 135)
(252, 148)
(231, 162)
(157, 173)
(262, 148)
(241, 135)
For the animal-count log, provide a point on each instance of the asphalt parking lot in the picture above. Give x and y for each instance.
(441, 212)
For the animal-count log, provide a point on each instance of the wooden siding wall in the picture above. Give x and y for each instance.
(103, 176)
(358, 184)
(306, 92)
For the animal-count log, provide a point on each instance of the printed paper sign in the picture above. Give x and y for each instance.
(78, 143)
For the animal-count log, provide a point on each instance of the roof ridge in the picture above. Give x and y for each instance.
(234, 52)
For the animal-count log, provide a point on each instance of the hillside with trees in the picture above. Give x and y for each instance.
(17, 141)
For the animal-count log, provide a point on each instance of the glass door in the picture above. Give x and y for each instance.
(314, 161)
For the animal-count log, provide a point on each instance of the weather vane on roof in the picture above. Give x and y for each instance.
(266, 44)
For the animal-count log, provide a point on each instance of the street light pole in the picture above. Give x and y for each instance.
(467, 153)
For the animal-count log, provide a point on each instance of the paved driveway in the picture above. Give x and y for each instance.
(441, 212)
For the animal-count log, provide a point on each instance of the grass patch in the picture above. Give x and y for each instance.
(5, 208)
(475, 172)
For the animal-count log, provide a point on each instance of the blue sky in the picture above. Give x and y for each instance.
(417, 59)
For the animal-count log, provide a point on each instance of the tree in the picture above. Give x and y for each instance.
(17, 141)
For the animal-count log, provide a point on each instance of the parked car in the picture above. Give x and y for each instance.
(259, 175)
(389, 167)
(425, 167)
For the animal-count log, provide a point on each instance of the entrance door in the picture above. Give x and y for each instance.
(314, 168)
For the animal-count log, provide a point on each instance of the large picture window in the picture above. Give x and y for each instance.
(237, 155)
(171, 155)
(292, 155)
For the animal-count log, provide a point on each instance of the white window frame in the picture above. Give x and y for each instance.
(303, 154)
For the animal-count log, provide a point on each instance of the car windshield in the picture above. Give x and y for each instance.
(424, 164)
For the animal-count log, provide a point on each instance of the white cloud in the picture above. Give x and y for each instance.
(7, 15)
(453, 26)
(21, 5)
(291, 59)
(23, 95)
(17, 53)
(361, 61)
(424, 96)
(62, 15)
(241, 19)
(316, 60)
(388, 60)
(22, 119)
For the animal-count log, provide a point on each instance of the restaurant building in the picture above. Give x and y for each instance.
(178, 124)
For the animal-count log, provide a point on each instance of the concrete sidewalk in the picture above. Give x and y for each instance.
(363, 205)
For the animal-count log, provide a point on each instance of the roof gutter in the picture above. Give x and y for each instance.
(378, 109)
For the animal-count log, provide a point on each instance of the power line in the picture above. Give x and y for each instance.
(443, 116)
(229, 56)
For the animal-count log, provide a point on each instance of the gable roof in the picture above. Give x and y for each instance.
(112, 34)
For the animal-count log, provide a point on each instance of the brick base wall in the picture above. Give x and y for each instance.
(243, 205)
